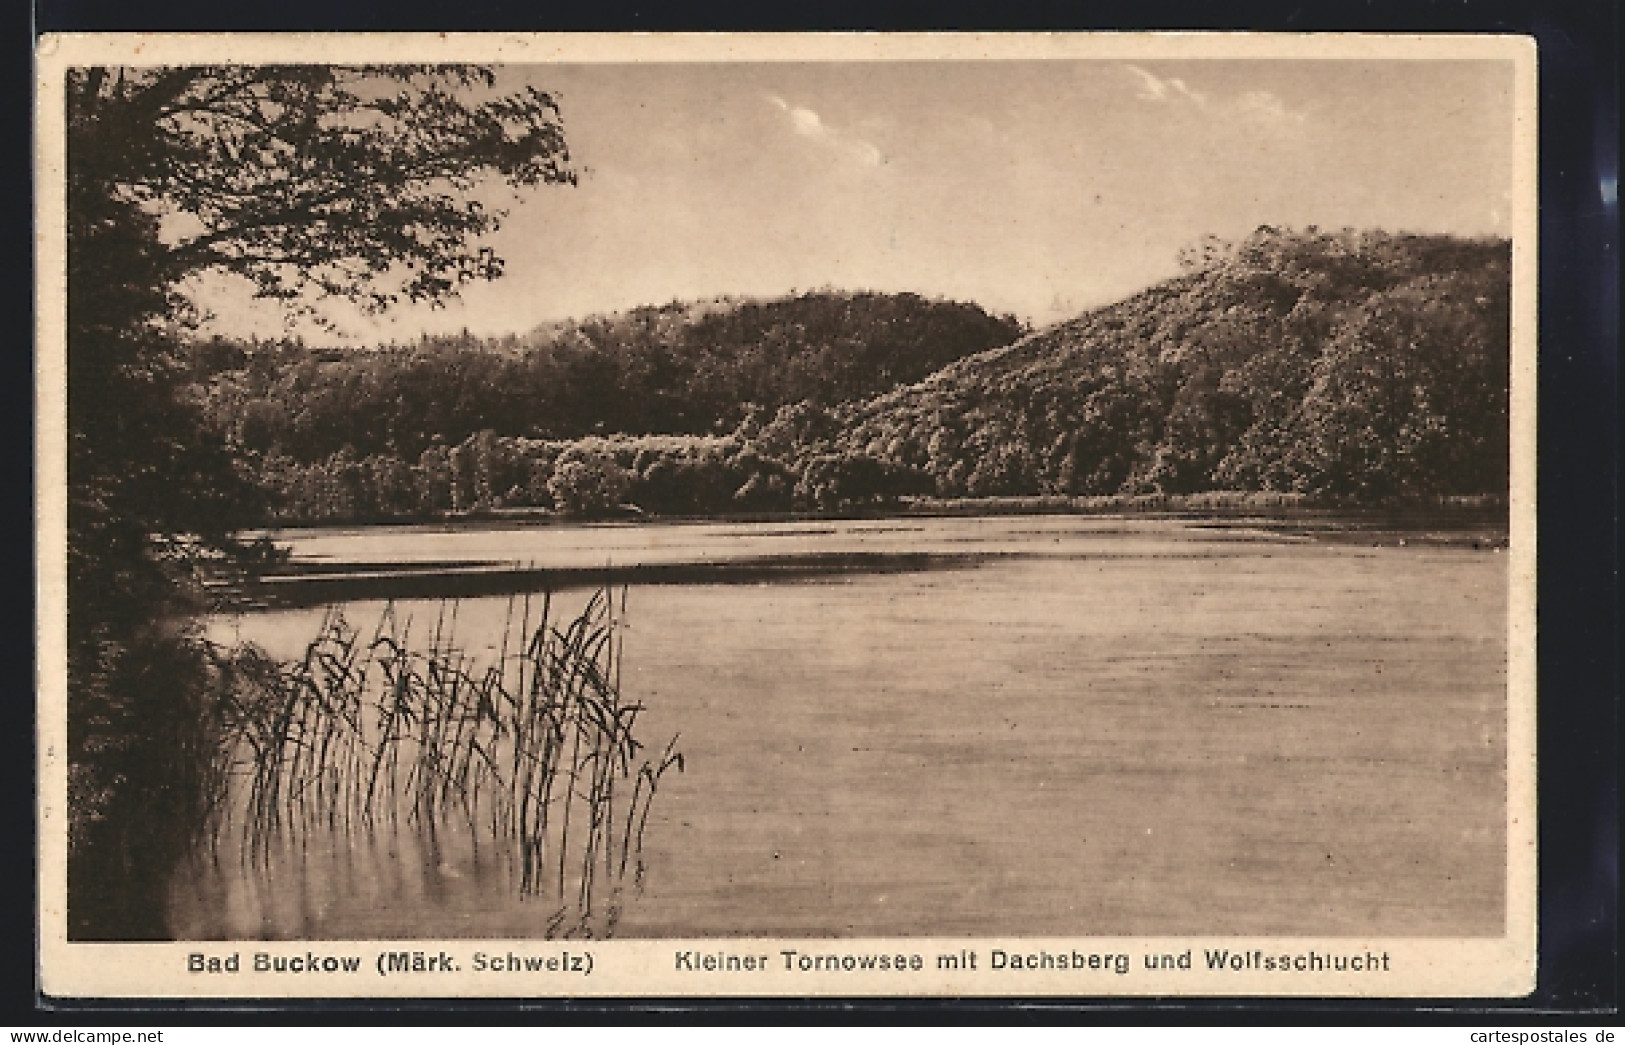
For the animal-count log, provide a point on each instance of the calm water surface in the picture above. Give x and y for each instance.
(1124, 727)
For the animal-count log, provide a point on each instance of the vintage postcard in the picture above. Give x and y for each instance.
(716, 515)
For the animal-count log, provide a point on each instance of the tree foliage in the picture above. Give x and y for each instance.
(355, 183)
(310, 183)
(693, 369)
(584, 483)
(1357, 366)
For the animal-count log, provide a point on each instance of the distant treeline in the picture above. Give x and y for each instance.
(659, 475)
(1358, 368)
(679, 369)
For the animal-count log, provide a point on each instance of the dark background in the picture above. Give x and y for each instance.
(1579, 614)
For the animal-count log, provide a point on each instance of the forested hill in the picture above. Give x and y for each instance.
(682, 369)
(1354, 368)
(1358, 366)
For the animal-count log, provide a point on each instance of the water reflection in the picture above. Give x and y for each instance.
(371, 759)
(1117, 729)
(375, 882)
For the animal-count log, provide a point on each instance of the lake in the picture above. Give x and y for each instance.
(1064, 726)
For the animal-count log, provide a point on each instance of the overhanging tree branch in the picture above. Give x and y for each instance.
(314, 180)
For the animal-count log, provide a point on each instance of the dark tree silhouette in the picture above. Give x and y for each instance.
(312, 183)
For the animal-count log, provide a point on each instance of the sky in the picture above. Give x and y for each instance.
(1039, 187)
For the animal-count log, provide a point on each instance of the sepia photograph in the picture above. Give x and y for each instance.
(1046, 514)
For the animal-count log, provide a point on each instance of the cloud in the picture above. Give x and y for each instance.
(1259, 108)
(1262, 106)
(810, 125)
(1153, 89)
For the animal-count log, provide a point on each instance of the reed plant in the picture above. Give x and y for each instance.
(535, 750)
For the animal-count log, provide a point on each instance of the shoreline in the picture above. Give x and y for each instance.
(317, 578)
(1453, 513)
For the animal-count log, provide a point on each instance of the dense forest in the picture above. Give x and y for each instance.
(1348, 367)
(1360, 367)
(678, 369)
